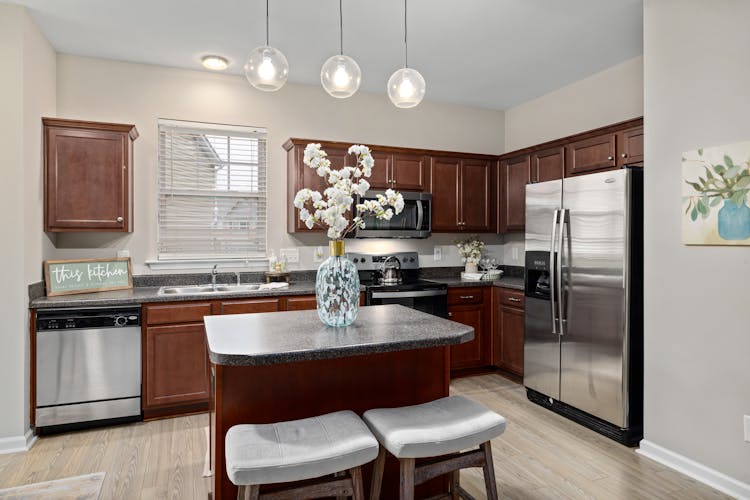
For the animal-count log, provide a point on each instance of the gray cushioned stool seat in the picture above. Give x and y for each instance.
(439, 427)
(298, 449)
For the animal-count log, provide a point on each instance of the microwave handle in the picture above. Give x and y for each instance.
(420, 215)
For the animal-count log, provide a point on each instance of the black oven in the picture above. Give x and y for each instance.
(432, 299)
(412, 222)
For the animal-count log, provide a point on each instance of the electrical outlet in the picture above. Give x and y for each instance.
(318, 254)
(437, 253)
(515, 254)
(747, 428)
(290, 254)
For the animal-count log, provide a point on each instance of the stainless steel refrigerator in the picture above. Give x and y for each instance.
(583, 349)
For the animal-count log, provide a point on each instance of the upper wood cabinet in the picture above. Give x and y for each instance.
(88, 176)
(512, 179)
(591, 154)
(630, 147)
(547, 165)
(462, 194)
(400, 171)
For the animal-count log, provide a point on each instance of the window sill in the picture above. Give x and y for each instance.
(228, 264)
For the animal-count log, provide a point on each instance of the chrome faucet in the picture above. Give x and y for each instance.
(214, 272)
(239, 280)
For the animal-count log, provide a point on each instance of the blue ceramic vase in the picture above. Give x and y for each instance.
(734, 221)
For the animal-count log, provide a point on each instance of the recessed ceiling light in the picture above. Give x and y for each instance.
(215, 63)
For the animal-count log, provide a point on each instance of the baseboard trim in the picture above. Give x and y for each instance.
(16, 444)
(697, 471)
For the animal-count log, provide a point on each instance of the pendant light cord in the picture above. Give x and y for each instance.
(341, 30)
(406, 44)
(266, 22)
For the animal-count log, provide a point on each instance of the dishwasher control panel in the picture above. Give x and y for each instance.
(67, 319)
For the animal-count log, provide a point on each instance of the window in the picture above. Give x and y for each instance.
(212, 192)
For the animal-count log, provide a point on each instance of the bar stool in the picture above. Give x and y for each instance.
(336, 443)
(439, 430)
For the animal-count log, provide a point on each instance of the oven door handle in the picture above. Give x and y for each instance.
(414, 293)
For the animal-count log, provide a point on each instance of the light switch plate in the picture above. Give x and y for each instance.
(747, 428)
(437, 253)
(121, 254)
(291, 255)
(318, 254)
(515, 253)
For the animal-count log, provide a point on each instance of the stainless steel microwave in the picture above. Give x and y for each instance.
(412, 222)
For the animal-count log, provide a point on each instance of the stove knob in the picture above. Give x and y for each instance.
(355, 260)
(121, 321)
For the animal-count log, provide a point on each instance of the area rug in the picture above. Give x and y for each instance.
(86, 487)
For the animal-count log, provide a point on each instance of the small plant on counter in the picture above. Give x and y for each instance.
(470, 249)
(328, 209)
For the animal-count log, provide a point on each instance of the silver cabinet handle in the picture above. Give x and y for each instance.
(514, 299)
(610, 158)
(466, 297)
(119, 219)
(624, 155)
(450, 314)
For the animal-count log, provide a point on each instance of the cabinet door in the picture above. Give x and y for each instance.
(590, 155)
(469, 354)
(514, 175)
(249, 306)
(512, 333)
(444, 186)
(308, 178)
(408, 172)
(177, 370)
(548, 165)
(305, 302)
(381, 171)
(86, 180)
(476, 191)
(630, 147)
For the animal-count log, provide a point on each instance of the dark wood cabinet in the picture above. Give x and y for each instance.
(245, 306)
(470, 306)
(381, 171)
(630, 147)
(462, 196)
(176, 365)
(408, 172)
(303, 302)
(508, 334)
(513, 175)
(591, 154)
(88, 176)
(547, 165)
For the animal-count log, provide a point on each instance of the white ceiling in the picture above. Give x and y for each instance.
(485, 53)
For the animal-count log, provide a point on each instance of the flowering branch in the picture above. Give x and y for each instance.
(329, 209)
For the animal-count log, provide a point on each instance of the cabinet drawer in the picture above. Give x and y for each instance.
(249, 306)
(303, 302)
(512, 298)
(177, 313)
(473, 295)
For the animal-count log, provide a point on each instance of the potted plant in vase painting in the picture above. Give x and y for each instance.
(337, 282)
(724, 184)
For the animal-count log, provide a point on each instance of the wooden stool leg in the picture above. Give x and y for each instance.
(455, 495)
(340, 474)
(377, 475)
(489, 471)
(357, 486)
(251, 492)
(407, 478)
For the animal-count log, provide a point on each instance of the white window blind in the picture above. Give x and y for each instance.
(212, 191)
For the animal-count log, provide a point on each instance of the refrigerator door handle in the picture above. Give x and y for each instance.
(564, 219)
(552, 272)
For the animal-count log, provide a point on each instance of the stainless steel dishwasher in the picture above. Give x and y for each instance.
(88, 367)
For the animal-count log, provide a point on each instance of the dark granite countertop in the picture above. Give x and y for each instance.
(285, 337)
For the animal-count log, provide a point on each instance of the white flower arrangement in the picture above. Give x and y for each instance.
(470, 249)
(329, 208)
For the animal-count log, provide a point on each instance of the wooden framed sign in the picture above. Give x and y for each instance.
(65, 277)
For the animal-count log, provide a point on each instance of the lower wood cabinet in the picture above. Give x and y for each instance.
(175, 360)
(470, 306)
(508, 326)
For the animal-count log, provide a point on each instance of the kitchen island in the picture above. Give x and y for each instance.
(271, 367)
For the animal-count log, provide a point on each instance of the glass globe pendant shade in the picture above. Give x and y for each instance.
(406, 88)
(266, 68)
(340, 76)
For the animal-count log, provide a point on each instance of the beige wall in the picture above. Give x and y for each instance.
(607, 97)
(96, 89)
(27, 92)
(697, 335)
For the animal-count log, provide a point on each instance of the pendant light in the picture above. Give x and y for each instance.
(406, 87)
(340, 74)
(266, 68)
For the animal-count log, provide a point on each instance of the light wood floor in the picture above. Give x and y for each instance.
(540, 456)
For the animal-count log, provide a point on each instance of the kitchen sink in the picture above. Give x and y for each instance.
(206, 289)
